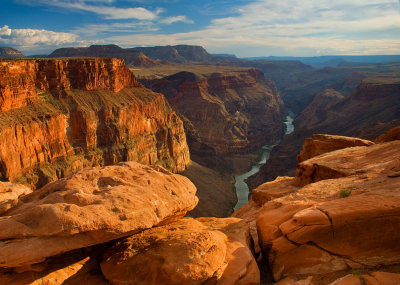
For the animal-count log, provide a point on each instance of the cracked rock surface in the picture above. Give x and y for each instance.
(342, 211)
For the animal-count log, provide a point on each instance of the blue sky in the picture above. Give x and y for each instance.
(245, 28)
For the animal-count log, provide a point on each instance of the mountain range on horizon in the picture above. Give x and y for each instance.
(148, 56)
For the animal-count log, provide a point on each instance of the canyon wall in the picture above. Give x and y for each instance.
(226, 112)
(58, 116)
(372, 108)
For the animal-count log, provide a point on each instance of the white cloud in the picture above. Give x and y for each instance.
(295, 27)
(171, 20)
(115, 13)
(31, 39)
(108, 12)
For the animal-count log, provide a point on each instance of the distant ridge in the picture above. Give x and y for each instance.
(178, 53)
(9, 52)
(334, 60)
(131, 56)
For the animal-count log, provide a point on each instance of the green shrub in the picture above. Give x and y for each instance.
(345, 193)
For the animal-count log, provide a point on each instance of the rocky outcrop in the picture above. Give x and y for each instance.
(92, 207)
(131, 56)
(319, 144)
(74, 267)
(124, 224)
(369, 111)
(311, 116)
(10, 194)
(229, 112)
(185, 252)
(339, 213)
(63, 115)
(386, 278)
(391, 135)
(20, 80)
(9, 52)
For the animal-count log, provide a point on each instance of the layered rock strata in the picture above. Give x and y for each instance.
(229, 112)
(340, 212)
(59, 116)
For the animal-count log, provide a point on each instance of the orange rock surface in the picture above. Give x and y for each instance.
(206, 250)
(92, 207)
(21, 80)
(340, 212)
(319, 144)
(64, 115)
(10, 194)
(76, 267)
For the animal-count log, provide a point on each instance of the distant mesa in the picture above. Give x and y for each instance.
(131, 56)
(9, 52)
(178, 53)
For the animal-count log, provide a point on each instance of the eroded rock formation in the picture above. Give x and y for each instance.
(70, 232)
(185, 252)
(340, 212)
(59, 116)
(92, 207)
(369, 111)
(227, 112)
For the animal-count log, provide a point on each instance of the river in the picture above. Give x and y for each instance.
(242, 190)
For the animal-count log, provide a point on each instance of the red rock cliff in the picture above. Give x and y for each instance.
(231, 112)
(59, 116)
(20, 79)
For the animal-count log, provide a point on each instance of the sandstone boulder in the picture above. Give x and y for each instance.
(391, 135)
(91, 207)
(202, 251)
(76, 267)
(281, 186)
(9, 195)
(319, 144)
(347, 217)
(374, 278)
(351, 161)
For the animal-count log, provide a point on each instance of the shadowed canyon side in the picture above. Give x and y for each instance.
(224, 112)
(370, 110)
(59, 116)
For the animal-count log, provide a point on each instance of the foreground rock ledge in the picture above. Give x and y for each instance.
(341, 212)
(92, 207)
(202, 251)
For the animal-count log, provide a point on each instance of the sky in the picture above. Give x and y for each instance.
(245, 28)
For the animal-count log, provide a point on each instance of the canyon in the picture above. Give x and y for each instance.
(371, 109)
(59, 116)
(333, 219)
(227, 112)
(90, 152)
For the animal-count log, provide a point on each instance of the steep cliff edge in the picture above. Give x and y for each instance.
(59, 116)
(226, 112)
(372, 108)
